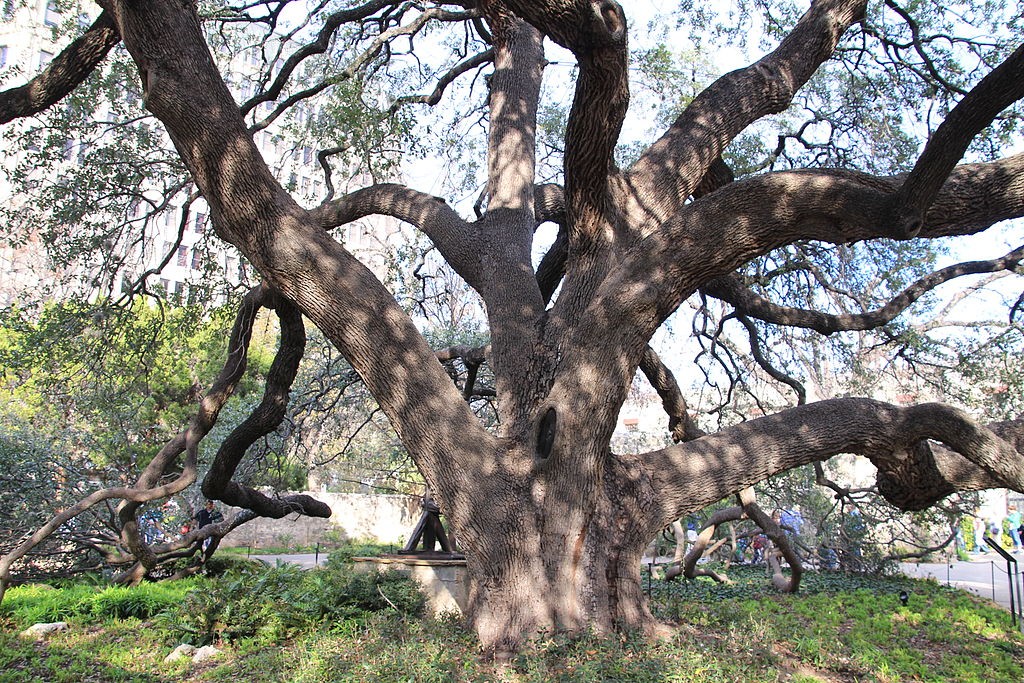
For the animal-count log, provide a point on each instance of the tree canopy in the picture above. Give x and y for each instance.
(800, 194)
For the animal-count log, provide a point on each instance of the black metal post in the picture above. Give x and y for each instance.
(1011, 572)
(316, 558)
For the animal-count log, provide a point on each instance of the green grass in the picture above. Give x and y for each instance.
(315, 627)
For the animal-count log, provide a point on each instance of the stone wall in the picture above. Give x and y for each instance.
(384, 518)
(445, 583)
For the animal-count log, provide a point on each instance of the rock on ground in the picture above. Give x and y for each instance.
(42, 631)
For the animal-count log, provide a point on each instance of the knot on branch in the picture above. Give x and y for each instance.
(904, 219)
(914, 481)
(613, 18)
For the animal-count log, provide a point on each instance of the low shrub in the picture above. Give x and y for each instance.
(269, 604)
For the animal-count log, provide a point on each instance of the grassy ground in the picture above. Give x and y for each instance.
(839, 629)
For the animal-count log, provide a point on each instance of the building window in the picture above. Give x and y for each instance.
(3, 56)
(307, 155)
(197, 259)
(200, 222)
(182, 255)
(165, 284)
(51, 17)
(44, 58)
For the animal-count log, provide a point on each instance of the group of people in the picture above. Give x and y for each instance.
(994, 526)
(155, 520)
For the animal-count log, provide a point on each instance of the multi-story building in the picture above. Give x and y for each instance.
(166, 237)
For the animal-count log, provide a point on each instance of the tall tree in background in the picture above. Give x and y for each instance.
(552, 521)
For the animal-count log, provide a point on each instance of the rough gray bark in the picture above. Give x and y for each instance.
(553, 522)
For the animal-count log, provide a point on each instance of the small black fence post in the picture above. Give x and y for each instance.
(316, 558)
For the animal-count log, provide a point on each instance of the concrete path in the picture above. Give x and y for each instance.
(986, 576)
(304, 560)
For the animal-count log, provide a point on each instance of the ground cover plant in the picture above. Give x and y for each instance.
(281, 624)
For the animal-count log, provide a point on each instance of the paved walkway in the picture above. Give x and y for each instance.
(985, 576)
(304, 560)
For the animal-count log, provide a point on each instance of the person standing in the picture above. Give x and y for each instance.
(207, 516)
(995, 529)
(1014, 517)
(979, 533)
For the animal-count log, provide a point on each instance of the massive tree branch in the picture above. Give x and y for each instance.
(511, 143)
(751, 217)
(295, 255)
(691, 475)
(669, 171)
(577, 25)
(63, 73)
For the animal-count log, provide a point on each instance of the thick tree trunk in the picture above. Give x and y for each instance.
(541, 561)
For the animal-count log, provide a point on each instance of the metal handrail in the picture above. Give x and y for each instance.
(1011, 575)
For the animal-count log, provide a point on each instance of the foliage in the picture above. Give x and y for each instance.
(839, 627)
(88, 394)
(271, 604)
(86, 603)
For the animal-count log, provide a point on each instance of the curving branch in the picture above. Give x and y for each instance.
(680, 424)
(728, 106)
(913, 473)
(63, 74)
(1000, 88)
(477, 60)
(758, 353)
(689, 568)
(731, 290)
(431, 215)
(264, 419)
(577, 25)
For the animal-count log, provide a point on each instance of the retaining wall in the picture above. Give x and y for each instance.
(386, 518)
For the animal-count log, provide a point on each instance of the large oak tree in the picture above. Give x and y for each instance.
(552, 521)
